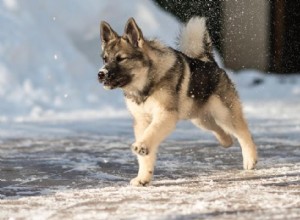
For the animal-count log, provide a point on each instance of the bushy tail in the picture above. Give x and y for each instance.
(194, 39)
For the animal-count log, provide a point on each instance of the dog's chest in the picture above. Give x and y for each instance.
(148, 107)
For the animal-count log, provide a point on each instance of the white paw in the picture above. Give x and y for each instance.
(139, 182)
(140, 148)
(250, 161)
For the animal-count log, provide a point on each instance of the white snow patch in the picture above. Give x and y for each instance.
(50, 50)
(50, 72)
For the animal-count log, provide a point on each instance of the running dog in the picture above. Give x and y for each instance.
(162, 85)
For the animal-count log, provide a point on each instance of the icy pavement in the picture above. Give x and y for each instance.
(81, 170)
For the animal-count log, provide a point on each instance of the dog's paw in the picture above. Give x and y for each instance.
(139, 182)
(140, 148)
(250, 162)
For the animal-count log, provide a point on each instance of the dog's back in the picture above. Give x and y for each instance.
(204, 77)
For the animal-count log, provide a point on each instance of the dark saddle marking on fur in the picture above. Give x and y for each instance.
(181, 70)
(204, 79)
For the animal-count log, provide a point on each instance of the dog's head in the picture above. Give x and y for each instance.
(125, 61)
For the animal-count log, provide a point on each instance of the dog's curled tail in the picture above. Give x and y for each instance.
(194, 39)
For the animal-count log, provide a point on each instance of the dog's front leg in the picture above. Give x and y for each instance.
(146, 146)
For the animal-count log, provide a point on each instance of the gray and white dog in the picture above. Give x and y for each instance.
(163, 85)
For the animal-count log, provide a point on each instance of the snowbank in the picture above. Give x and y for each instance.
(49, 55)
(267, 95)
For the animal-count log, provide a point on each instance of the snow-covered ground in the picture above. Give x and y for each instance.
(64, 144)
(82, 169)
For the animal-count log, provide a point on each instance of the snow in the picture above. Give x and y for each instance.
(64, 140)
(85, 176)
(49, 54)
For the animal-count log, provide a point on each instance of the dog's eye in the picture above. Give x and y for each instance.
(119, 58)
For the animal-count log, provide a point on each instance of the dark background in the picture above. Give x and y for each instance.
(283, 34)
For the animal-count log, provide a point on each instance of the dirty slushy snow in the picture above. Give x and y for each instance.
(82, 169)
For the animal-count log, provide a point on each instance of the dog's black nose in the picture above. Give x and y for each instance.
(101, 75)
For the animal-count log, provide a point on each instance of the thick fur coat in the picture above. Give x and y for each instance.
(162, 85)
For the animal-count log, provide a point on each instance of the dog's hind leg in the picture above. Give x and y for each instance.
(206, 122)
(231, 120)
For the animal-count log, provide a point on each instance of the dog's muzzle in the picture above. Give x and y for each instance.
(107, 78)
(111, 80)
(102, 74)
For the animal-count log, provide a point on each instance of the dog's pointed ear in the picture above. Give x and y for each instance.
(107, 33)
(133, 33)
